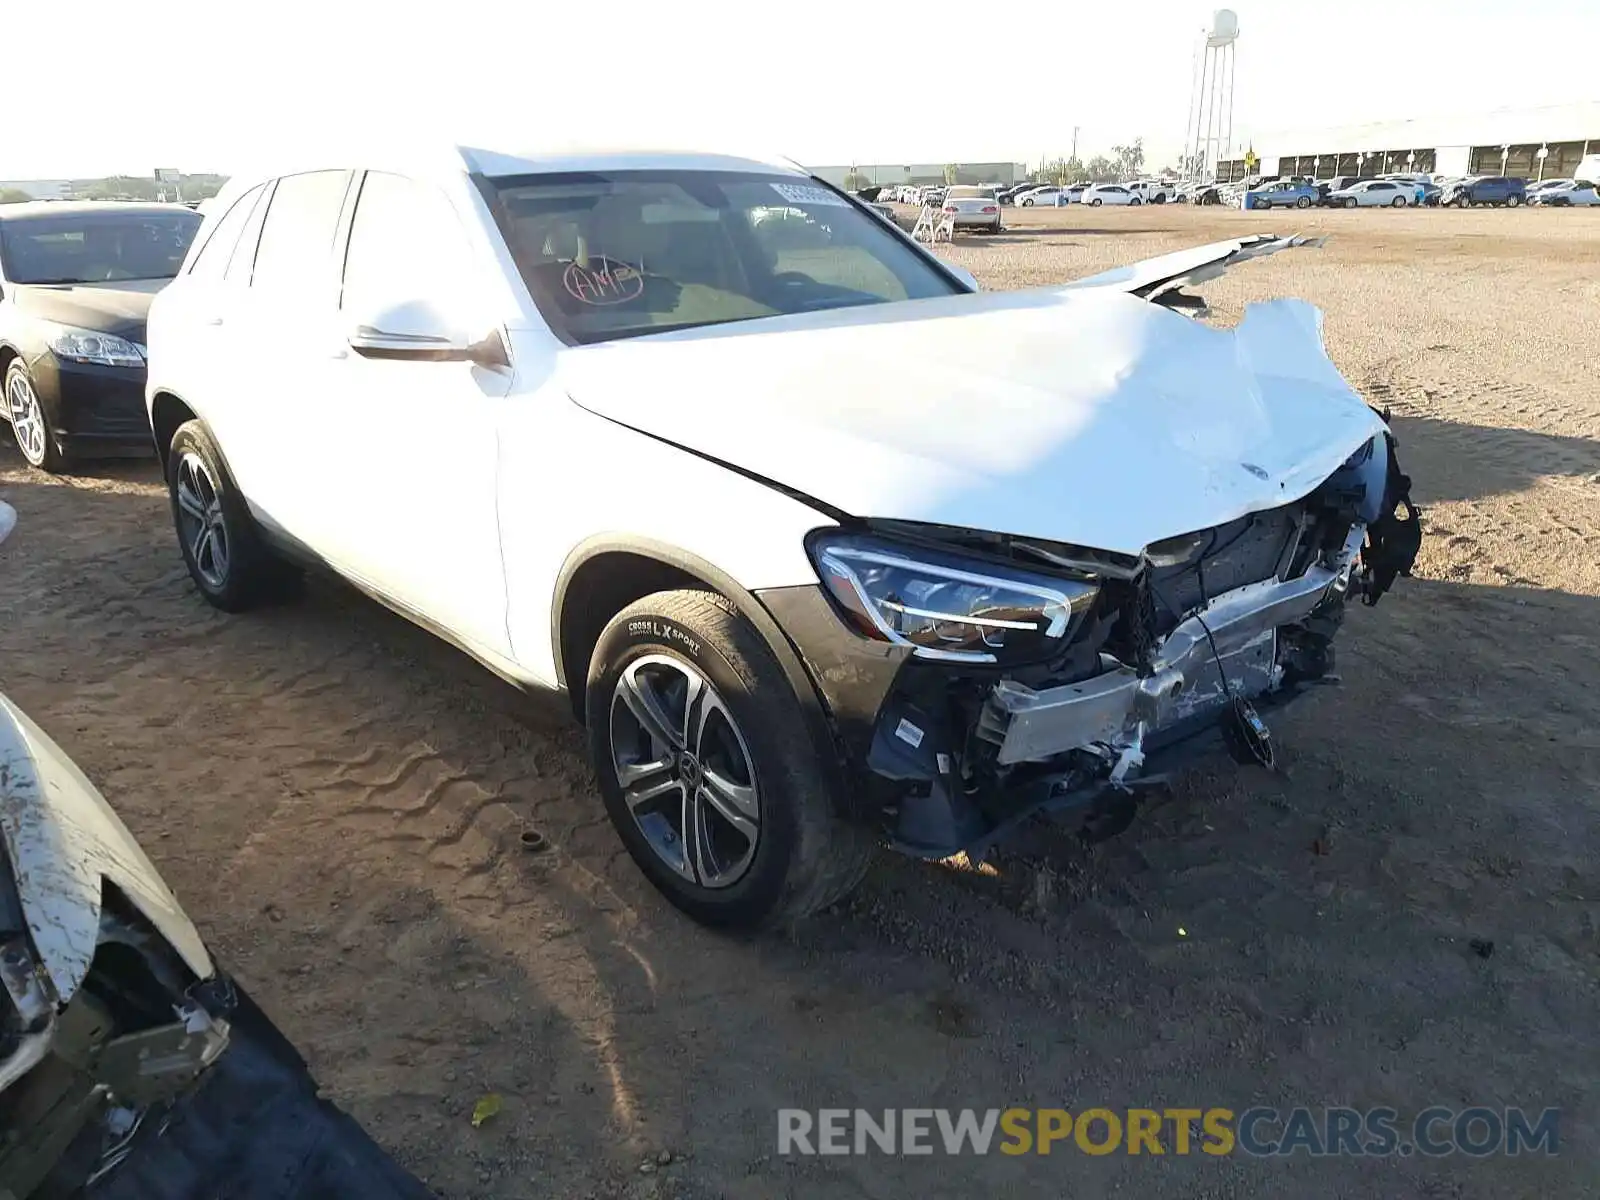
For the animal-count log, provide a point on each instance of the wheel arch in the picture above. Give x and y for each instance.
(168, 411)
(605, 574)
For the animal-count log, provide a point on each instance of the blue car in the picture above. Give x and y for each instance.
(1283, 193)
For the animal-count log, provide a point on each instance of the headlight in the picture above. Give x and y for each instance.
(87, 346)
(946, 606)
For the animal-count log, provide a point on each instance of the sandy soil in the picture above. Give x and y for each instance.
(338, 799)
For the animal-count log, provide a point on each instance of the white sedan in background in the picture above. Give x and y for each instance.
(972, 208)
(1567, 193)
(1044, 196)
(1374, 192)
(1108, 193)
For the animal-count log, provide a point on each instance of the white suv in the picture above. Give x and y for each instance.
(826, 547)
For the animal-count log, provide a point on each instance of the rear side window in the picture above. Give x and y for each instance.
(212, 260)
(296, 248)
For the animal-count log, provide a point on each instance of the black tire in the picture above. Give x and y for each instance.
(48, 457)
(1303, 202)
(1350, 202)
(1513, 201)
(1027, 202)
(1135, 202)
(1095, 203)
(250, 573)
(1398, 202)
(805, 857)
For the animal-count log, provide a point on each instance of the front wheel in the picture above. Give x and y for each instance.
(708, 769)
(1027, 204)
(229, 563)
(1513, 201)
(29, 424)
(1135, 202)
(1350, 202)
(1303, 202)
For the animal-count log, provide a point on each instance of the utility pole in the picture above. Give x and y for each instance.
(1074, 157)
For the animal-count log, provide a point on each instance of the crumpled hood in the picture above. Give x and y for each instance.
(119, 308)
(1084, 416)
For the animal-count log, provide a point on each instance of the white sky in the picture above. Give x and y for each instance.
(95, 87)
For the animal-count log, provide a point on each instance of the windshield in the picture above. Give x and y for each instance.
(96, 247)
(637, 252)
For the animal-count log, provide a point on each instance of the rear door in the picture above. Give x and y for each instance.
(282, 340)
(197, 309)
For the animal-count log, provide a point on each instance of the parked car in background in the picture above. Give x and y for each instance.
(1153, 191)
(1199, 193)
(1073, 193)
(1283, 193)
(1374, 192)
(863, 608)
(1039, 197)
(1097, 194)
(1588, 170)
(1536, 186)
(972, 208)
(76, 279)
(1495, 190)
(1569, 193)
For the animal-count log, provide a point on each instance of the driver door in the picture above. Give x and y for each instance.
(419, 438)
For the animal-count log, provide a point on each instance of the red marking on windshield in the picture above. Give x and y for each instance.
(603, 281)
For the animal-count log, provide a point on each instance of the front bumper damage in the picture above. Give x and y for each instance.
(946, 758)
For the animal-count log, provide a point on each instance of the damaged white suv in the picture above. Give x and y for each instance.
(827, 547)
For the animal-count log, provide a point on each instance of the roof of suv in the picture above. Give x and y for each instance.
(433, 159)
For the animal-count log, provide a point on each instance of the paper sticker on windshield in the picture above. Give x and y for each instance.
(602, 280)
(795, 193)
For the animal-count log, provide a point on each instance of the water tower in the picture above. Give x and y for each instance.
(1209, 135)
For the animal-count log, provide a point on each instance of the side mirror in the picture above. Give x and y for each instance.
(418, 331)
(964, 275)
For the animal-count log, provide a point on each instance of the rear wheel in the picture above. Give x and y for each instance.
(29, 423)
(707, 768)
(1513, 201)
(1398, 202)
(229, 563)
(1095, 203)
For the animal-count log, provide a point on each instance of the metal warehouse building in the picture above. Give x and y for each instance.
(1507, 142)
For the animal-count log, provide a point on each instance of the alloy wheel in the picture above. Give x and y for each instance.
(27, 417)
(685, 771)
(201, 522)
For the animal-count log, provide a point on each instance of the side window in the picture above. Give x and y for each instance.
(296, 249)
(406, 243)
(212, 260)
(243, 259)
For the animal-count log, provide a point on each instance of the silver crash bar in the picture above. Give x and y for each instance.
(1110, 708)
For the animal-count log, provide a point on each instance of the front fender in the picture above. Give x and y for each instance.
(65, 844)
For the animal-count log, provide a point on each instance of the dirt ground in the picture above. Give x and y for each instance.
(337, 800)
